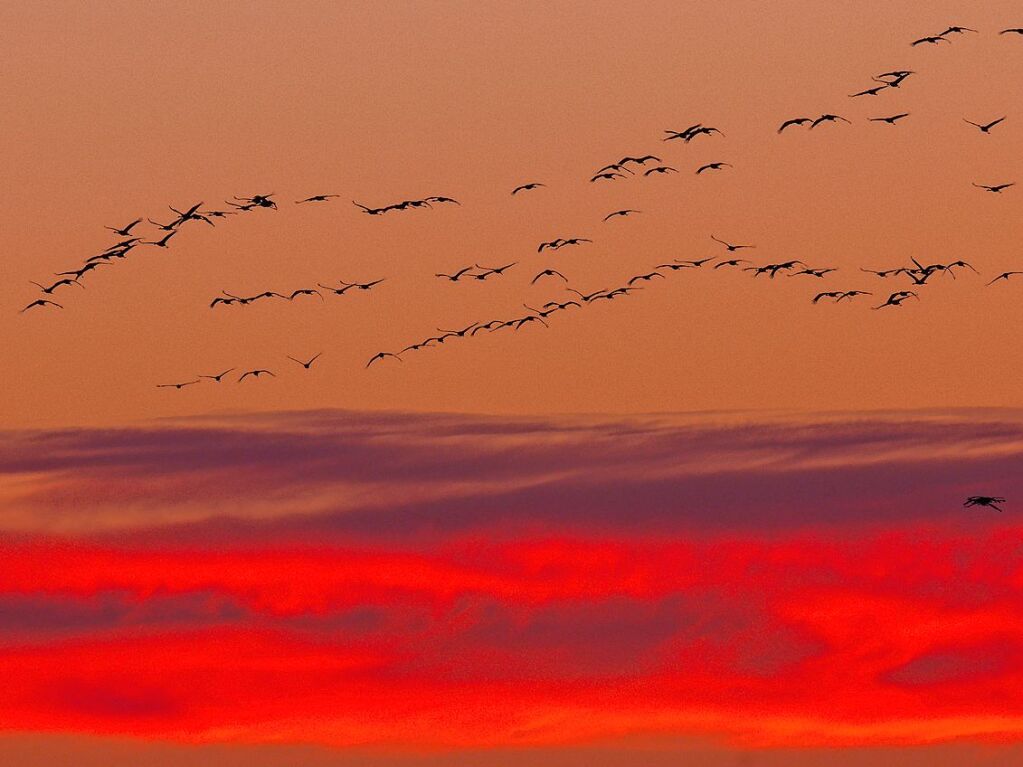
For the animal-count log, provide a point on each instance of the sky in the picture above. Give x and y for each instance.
(710, 520)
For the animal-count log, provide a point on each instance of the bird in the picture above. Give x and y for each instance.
(553, 244)
(681, 134)
(645, 277)
(440, 199)
(531, 318)
(317, 198)
(1003, 276)
(611, 176)
(49, 290)
(639, 160)
(622, 213)
(162, 243)
(795, 121)
(255, 374)
(956, 31)
(997, 188)
(548, 273)
(700, 130)
(191, 214)
(177, 385)
(306, 365)
(827, 118)
(124, 231)
(495, 270)
(86, 268)
(813, 272)
(304, 292)
(615, 167)
(731, 248)
(870, 91)
(984, 500)
(896, 299)
(660, 169)
(854, 293)
(259, 201)
(380, 356)
(362, 285)
(836, 294)
(932, 39)
(696, 264)
(890, 120)
(731, 262)
(225, 301)
(1012, 31)
(571, 241)
(454, 277)
(962, 265)
(986, 128)
(370, 211)
(586, 297)
(712, 166)
(41, 302)
(458, 333)
(883, 273)
(172, 226)
(217, 378)
(527, 187)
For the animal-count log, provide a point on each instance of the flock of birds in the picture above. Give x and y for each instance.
(630, 166)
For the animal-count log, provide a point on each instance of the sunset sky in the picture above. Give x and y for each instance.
(710, 521)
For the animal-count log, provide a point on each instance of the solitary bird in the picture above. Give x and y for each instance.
(527, 187)
(306, 365)
(177, 385)
(997, 188)
(984, 500)
(317, 198)
(985, 128)
(712, 166)
(255, 374)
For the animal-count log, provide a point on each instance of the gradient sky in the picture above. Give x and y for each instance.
(512, 549)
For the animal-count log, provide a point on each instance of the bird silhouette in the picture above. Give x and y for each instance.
(731, 248)
(455, 277)
(615, 167)
(219, 376)
(177, 385)
(828, 294)
(984, 500)
(304, 292)
(1003, 276)
(986, 127)
(639, 160)
(307, 364)
(255, 374)
(380, 356)
(870, 91)
(645, 277)
(86, 268)
(1012, 31)
(956, 31)
(553, 244)
(317, 198)
(48, 290)
(548, 273)
(813, 272)
(827, 118)
(712, 166)
(660, 169)
(896, 299)
(997, 188)
(487, 271)
(40, 302)
(527, 187)
(370, 211)
(441, 200)
(610, 176)
(124, 231)
(795, 121)
(586, 297)
(162, 243)
(571, 241)
(731, 262)
(622, 213)
(932, 40)
(890, 120)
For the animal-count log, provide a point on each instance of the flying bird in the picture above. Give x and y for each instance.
(162, 243)
(124, 231)
(731, 262)
(255, 374)
(997, 188)
(660, 169)
(827, 118)
(731, 248)
(986, 128)
(41, 302)
(370, 211)
(217, 378)
(306, 365)
(177, 385)
(1003, 276)
(813, 272)
(49, 290)
(956, 31)
(896, 299)
(440, 199)
(317, 198)
(548, 273)
(639, 160)
(870, 91)
(890, 120)
(610, 176)
(795, 121)
(645, 277)
(1012, 31)
(380, 356)
(984, 500)
(304, 292)
(527, 187)
(622, 213)
(932, 39)
(712, 166)
(454, 277)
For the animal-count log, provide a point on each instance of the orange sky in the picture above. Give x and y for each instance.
(115, 111)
